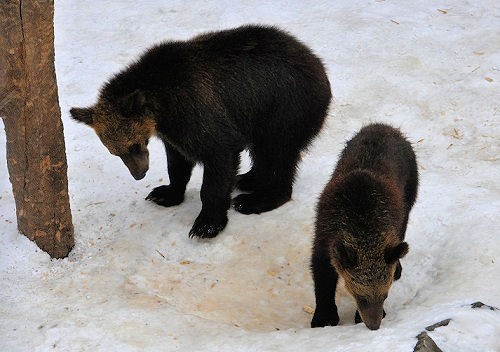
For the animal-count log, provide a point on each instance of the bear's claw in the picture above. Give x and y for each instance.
(207, 226)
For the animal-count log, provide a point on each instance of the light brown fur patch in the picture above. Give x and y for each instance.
(119, 134)
(372, 277)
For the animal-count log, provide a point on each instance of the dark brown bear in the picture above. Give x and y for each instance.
(209, 98)
(361, 222)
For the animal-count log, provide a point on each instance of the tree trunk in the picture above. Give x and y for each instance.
(29, 105)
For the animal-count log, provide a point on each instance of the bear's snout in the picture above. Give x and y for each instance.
(372, 315)
(139, 176)
(137, 164)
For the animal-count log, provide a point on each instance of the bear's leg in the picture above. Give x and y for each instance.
(246, 182)
(179, 172)
(325, 284)
(218, 180)
(399, 270)
(273, 175)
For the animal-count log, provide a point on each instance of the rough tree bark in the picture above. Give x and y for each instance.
(29, 105)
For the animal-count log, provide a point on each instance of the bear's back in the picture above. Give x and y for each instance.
(248, 56)
(382, 150)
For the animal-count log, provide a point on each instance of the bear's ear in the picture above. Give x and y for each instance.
(392, 254)
(347, 256)
(82, 114)
(133, 104)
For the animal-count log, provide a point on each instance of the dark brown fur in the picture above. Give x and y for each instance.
(361, 222)
(209, 98)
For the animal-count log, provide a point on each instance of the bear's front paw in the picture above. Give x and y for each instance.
(166, 196)
(325, 317)
(208, 225)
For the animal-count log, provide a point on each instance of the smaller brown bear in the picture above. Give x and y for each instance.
(361, 222)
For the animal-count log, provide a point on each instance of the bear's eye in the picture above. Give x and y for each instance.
(134, 149)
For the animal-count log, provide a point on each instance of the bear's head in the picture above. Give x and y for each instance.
(368, 276)
(366, 214)
(124, 127)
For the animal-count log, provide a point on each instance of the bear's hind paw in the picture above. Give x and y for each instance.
(255, 203)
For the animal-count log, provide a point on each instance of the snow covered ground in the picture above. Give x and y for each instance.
(136, 282)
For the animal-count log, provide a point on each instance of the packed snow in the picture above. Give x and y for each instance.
(136, 282)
